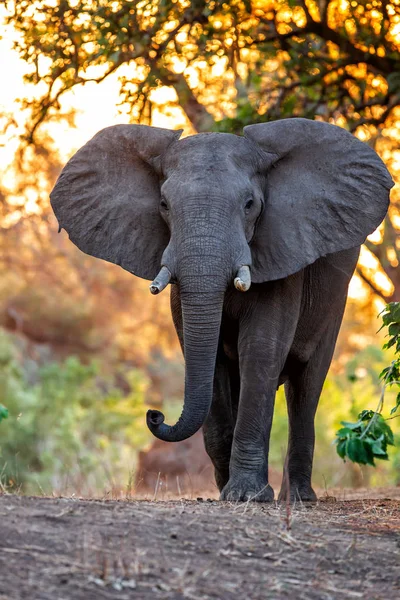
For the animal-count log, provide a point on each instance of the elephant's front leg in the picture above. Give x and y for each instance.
(248, 471)
(265, 337)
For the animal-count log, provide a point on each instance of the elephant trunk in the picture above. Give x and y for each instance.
(202, 297)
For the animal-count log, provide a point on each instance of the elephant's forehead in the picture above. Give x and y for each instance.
(211, 151)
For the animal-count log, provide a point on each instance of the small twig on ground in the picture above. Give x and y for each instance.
(288, 507)
(157, 486)
(178, 487)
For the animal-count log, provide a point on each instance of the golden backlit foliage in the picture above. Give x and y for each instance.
(211, 65)
(331, 55)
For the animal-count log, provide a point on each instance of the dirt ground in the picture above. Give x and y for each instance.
(63, 548)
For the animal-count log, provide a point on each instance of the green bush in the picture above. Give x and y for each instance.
(369, 437)
(70, 427)
(3, 412)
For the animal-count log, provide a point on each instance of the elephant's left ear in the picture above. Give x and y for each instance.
(327, 191)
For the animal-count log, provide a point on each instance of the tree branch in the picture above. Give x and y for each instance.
(197, 114)
(372, 286)
(385, 65)
(379, 120)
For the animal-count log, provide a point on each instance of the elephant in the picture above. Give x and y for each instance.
(259, 236)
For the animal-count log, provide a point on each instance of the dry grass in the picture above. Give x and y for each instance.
(67, 548)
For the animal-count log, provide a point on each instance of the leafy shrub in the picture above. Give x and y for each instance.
(367, 439)
(72, 428)
(3, 412)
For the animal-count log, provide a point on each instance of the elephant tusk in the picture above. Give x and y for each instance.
(161, 281)
(242, 280)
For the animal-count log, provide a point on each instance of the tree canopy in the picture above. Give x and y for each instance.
(242, 61)
(227, 65)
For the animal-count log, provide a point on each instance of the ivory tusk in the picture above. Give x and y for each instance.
(242, 280)
(161, 281)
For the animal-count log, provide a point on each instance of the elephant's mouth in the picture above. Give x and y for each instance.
(242, 280)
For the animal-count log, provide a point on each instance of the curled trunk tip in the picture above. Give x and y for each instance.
(242, 280)
(173, 433)
(161, 281)
(154, 419)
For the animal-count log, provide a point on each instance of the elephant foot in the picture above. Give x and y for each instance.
(298, 493)
(245, 490)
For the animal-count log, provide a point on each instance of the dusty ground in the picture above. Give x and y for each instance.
(57, 548)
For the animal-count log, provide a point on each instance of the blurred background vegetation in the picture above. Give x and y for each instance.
(83, 347)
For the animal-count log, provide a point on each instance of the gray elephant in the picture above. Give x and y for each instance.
(285, 208)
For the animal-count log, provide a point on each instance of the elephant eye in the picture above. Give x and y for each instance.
(249, 204)
(164, 205)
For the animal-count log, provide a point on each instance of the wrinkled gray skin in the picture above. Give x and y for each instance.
(293, 200)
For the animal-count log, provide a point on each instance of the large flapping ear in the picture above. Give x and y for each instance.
(326, 192)
(107, 197)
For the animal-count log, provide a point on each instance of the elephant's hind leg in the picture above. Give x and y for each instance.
(219, 426)
(303, 390)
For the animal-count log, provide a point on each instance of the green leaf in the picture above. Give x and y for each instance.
(341, 448)
(379, 448)
(349, 425)
(389, 344)
(343, 432)
(394, 310)
(390, 437)
(394, 329)
(356, 451)
(3, 412)
(366, 415)
(381, 427)
(395, 408)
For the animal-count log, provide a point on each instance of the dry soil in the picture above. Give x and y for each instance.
(70, 549)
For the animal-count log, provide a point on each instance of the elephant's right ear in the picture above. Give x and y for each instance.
(327, 191)
(107, 197)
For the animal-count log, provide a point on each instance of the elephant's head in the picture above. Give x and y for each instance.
(209, 209)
